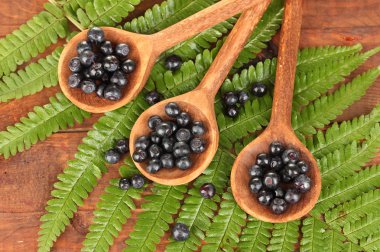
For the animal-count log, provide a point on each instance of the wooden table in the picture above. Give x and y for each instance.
(27, 179)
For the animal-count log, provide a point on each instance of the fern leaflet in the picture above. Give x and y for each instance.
(255, 236)
(284, 237)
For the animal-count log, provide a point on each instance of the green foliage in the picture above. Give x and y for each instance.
(60, 113)
(154, 221)
(371, 243)
(362, 228)
(32, 79)
(32, 38)
(284, 236)
(255, 236)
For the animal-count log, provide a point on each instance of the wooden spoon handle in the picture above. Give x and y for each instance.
(228, 54)
(199, 22)
(286, 65)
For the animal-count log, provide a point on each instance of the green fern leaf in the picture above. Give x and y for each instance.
(60, 113)
(223, 234)
(32, 38)
(284, 237)
(347, 160)
(32, 79)
(362, 228)
(327, 108)
(255, 236)
(111, 213)
(80, 177)
(154, 221)
(371, 243)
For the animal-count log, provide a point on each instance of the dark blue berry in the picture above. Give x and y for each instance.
(259, 89)
(232, 111)
(118, 78)
(142, 143)
(84, 46)
(128, 66)
(262, 160)
(207, 190)
(276, 163)
(255, 184)
(183, 119)
(271, 180)
(122, 146)
(154, 166)
(110, 63)
(302, 183)
(96, 71)
(183, 135)
(87, 58)
(278, 206)
(302, 167)
(180, 232)
(173, 63)
(292, 196)
(197, 145)
(198, 129)
(291, 171)
(168, 144)
(106, 48)
(243, 97)
(140, 155)
(154, 121)
(290, 156)
(75, 80)
(172, 109)
(152, 98)
(124, 184)
(86, 73)
(112, 156)
(256, 171)
(279, 193)
(183, 163)
(155, 151)
(75, 65)
(230, 99)
(181, 149)
(112, 93)
(100, 90)
(265, 197)
(96, 35)
(137, 181)
(167, 160)
(122, 50)
(276, 149)
(164, 129)
(88, 86)
(155, 138)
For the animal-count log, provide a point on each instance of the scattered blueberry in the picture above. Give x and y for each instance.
(180, 232)
(290, 156)
(124, 184)
(122, 146)
(173, 63)
(232, 111)
(153, 98)
(259, 89)
(112, 156)
(230, 98)
(243, 97)
(137, 181)
(207, 190)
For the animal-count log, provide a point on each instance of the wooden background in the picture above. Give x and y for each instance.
(27, 179)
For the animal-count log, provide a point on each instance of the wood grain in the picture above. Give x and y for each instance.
(32, 173)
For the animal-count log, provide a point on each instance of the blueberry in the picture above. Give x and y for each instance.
(122, 146)
(243, 97)
(271, 180)
(168, 144)
(75, 80)
(174, 126)
(276, 149)
(155, 151)
(230, 99)
(96, 71)
(292, 196)
(84, 46)
(278, 206)
(256, 171)
(173, 63)
(154, 166)
(263, 160)
(138, 181)
(302, 183)
(183, 163)
(87, 58)
(118, 78)
(86, 73)
(128, 66)
(259, 89)
(154, 121)
(88, 86)
(276, 163)
(198, 129)
(152, 98)
(290, 156)
(265, 197)
(142, 142)
(183, 135)
(106, 48)
(100, 90)
(111, 63)
(302, 167)
(207, 190)
(172, 109)
(183, 119)
(112, 156)
(181, 149)
(75, 65)
(96, 35)
(255, 184)
(167, 160)
(279, 192)
(291, 171)
(124, 184)
(232, 111)
(155, 138)
(140, 155)
(180, 232)
(122, 50)
(105, 77)
(164, 129)
(197, 145)
(112, 93)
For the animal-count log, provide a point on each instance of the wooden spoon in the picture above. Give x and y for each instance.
(199, 103)
(279, 129)
(145, 50)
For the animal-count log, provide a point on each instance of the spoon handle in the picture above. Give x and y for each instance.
(231, 49)
(199, 22)
(286, 65)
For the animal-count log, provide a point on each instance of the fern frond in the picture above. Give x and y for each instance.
(314, 57)
(327, 108)
(362, 228)
(371, 243)
(32, 79)
(112, 211)
(80, 177)
(355, 209)
(32, 38)
(42, 122)
(255, 236)
(339, 134)
(348, 188)
(310, 85)
(154, 221)
(345, 161)
(284, 236)
(223, 234)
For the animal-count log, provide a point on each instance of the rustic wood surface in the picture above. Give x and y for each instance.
(27, 179)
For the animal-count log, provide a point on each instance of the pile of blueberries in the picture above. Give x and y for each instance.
(279, 179)
(137, 181)
(100, 67)
(170, 142)
(232, 101)
(121, 147)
